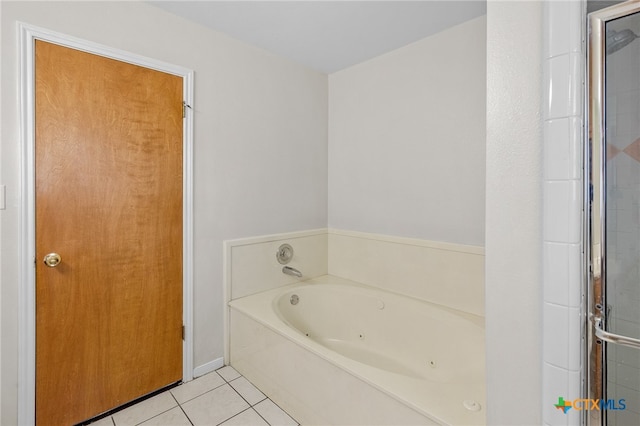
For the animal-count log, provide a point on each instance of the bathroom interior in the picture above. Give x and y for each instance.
(448, 171)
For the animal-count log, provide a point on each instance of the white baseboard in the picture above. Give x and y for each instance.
(210, 366)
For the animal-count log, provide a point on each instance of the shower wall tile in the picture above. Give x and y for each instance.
(625, 355)
(564, 86)
(627, 125)
(631, 397)
(560, 383)
(563, 287)
(558, 350)
(562, 266)
(626, 328)
(628, 377)
(562, 146)
(625, 417)
(565, 28)
(562, 211)
(627, 308)
(622, 71)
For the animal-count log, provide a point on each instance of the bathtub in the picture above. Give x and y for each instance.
(332, 351)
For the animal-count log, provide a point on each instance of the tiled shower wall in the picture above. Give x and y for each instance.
(563, 303)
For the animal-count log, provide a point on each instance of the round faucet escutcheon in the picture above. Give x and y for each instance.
(284, 254)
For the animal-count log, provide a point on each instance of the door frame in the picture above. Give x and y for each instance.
(26, 296)
(598, 336)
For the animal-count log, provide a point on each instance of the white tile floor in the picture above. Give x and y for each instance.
(222, 397)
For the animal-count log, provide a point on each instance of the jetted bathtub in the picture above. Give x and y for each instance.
(332, 351)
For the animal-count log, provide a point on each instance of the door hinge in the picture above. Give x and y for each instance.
(183, 332)
(597, 261)
(184, 109)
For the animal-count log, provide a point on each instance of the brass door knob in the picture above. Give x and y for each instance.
(52, 260)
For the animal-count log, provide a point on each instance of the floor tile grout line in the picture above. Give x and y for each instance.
(220, 375)
(159, 414)
(262, 400)
(182, 409)
(237, 414)
(204, 393)
(224, 378)
(152, 417)
(289, 415)
(251, 406)
(211, 390)
(245, 400)
(225, 382)
(200, 394)
(261, 416)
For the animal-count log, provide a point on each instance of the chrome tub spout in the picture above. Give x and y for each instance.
(291, 271)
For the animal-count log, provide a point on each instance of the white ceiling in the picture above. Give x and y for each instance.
(327, 35)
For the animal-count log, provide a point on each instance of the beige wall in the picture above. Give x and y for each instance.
(260, 153)
(407, 140)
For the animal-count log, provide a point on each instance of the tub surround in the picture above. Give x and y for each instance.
(447, 274)
(251, 265)
(296, 372)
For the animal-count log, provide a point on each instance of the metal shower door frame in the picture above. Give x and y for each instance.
(595, 171)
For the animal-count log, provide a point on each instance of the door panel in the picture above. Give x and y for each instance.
(109, 202)
(622, 236)
(615, 214)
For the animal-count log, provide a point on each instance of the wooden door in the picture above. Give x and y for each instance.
(109, 201)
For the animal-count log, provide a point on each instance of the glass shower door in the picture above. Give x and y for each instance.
(615, 215)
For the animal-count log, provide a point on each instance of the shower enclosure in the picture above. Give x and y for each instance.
(613, 164)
